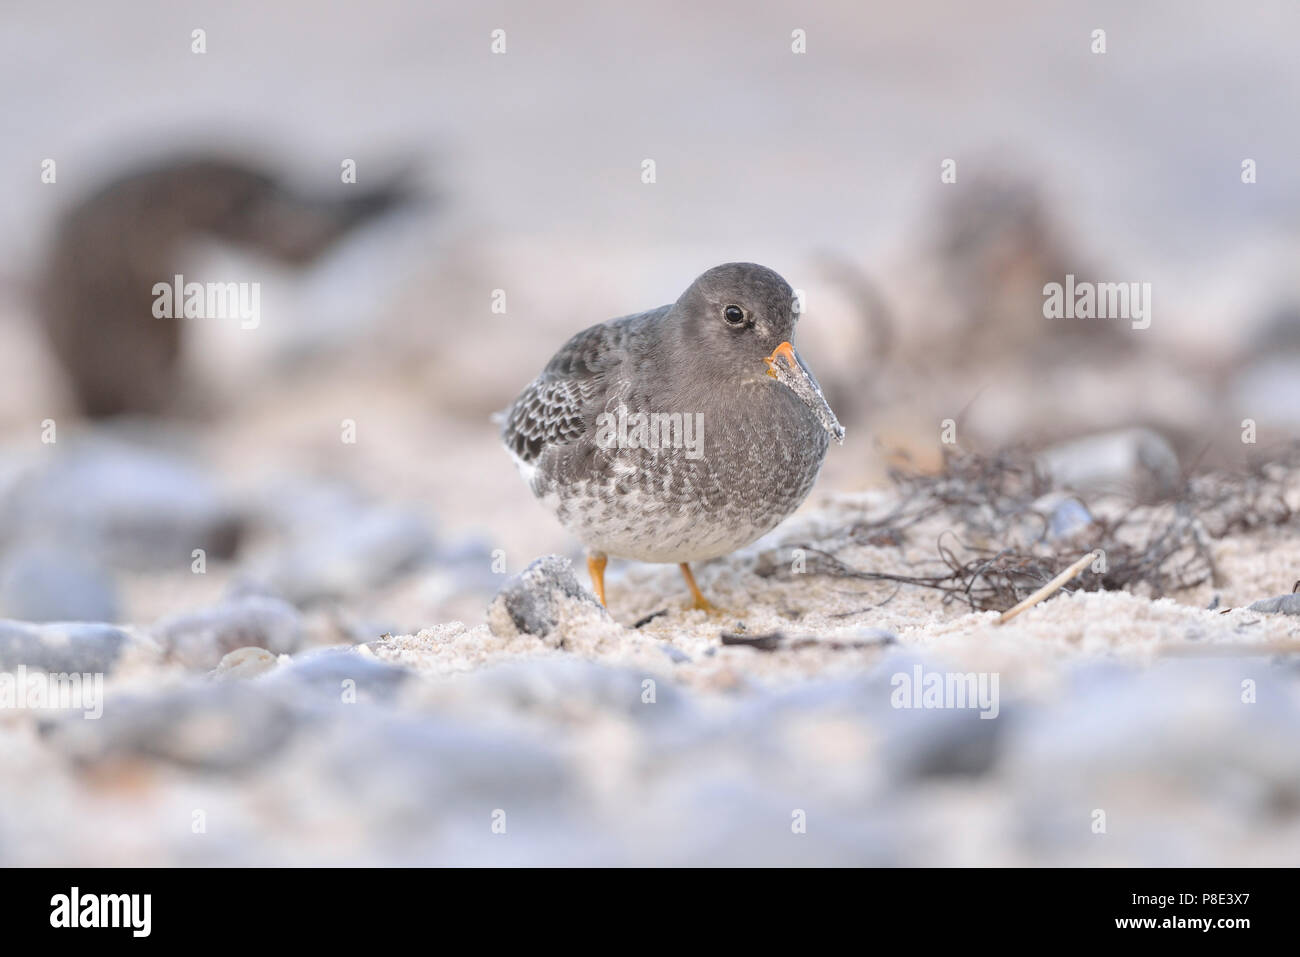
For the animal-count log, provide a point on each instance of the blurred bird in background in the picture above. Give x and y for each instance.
(96, 292)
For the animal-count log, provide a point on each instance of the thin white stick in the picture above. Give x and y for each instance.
(1055, 585)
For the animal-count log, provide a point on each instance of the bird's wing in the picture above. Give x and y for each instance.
(549, 412)
(556, 407)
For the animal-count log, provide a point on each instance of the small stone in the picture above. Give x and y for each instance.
(1282, 604)
(201, 639)
(62, 647)
(245, 663)
(676, 654)
(1066, 516)
(535, 601)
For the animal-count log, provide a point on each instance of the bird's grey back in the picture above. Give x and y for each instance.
(557, 407)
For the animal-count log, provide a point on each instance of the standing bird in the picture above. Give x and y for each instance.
(678, 434)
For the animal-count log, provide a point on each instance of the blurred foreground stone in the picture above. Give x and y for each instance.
(566, 761)
(122, 504)
(200, 639)
(61, 647)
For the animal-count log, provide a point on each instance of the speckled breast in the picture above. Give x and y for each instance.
(745, 470)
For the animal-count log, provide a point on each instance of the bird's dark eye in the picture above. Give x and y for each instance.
(734, 315)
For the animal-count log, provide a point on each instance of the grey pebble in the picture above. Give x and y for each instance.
(200, 639)
(71, 647)
(326, 671)
(535, 600)
(1282, 604)
(1067, 518)
(245, 663)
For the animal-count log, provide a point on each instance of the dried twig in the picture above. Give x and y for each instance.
(1051, 588)
(999, 546)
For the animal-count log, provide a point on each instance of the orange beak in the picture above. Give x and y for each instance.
(785, 351)
(795, 376)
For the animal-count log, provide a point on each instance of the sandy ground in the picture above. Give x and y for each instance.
(605, 742)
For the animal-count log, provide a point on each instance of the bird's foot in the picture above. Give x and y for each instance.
(698, 601)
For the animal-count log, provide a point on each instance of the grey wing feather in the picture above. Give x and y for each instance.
(549, 412)
(554, 408)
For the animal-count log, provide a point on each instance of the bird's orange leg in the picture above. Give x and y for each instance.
(596, 569)
(699, 601)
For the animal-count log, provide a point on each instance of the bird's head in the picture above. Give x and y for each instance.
(743, 316)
